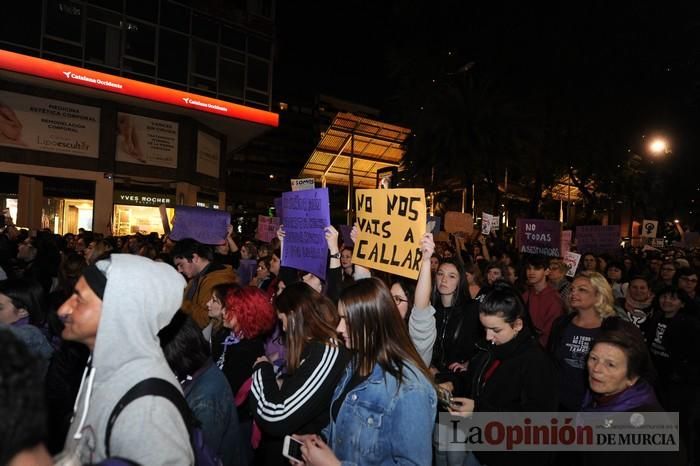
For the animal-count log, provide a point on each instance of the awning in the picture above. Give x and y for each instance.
(371, 145)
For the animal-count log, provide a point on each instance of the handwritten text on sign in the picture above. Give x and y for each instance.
(267, 228)
(305, 216)
(391, 224)
(537, 236)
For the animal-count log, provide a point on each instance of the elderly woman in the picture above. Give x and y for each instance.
(591, 302)
(619, 374)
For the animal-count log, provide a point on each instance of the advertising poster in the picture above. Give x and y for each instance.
(391, 223)
(597, 239)
(147, 141)
(208, 154)
(207, 226)
(536, 236)
(49, 125)
(306, 214)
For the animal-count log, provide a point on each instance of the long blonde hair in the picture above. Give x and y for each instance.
(605, 303)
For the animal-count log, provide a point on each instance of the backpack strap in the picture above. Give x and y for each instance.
(154, 387)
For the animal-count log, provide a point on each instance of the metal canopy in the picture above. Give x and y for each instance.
(361, 143)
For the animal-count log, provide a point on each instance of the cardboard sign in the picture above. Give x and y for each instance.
(246, 271)
(566, 236)
(457, 221)
(537, 236)
(267, 228)
(391, 224)
(489, 223)
(345, 235)
(306, 214)
(571, 259)
(649, 228)
(598, 239)
(302, 184)
(442, 236)
(208, 226)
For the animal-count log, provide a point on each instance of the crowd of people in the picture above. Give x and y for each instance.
(356, 366)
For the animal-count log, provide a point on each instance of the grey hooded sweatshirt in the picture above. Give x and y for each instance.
(140, 298)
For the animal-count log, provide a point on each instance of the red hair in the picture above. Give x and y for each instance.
(252, 309)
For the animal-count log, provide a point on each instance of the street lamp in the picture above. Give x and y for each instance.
(659, 147)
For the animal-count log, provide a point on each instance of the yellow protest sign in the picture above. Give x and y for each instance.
(391, 223)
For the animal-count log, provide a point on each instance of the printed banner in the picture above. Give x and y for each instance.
(302, 184)
(537, 236)
(208, 154)
(649, 228)
(457, 221)
(566, 237)
(489, 223)
(49, 125)
(267, 228)
(146, 140)
(306, 214)
(207, 226)
(571, 259)
(391, 224)
(597, 239)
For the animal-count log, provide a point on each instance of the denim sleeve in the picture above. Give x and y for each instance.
(208, 413)
(412, 422)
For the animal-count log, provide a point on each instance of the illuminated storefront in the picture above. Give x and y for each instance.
(139, 212)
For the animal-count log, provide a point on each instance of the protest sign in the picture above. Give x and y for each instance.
(489, 223)
(539, 237)
(458, 221)
(279, 210)
(246, 271)
(571, 259)
(566, 236)
(267, 228)
(597, 239)
(649, 228)
(345, 235)
(391, 223)
(208, 226)
(441, 236)
(302, 184)
(306, 214)
(658, 242)
(436, 226)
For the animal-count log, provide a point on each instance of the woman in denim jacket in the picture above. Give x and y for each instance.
(383, 410)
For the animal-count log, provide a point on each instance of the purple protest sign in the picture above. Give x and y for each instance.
(267, 228)
(278, 207)
(537, 236)
(306, 214)
(345, 235)
(246, 270)
(208, 226)
(597, 239)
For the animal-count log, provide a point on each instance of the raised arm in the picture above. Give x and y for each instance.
(424, 285)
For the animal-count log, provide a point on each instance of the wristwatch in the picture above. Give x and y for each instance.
(335, 256)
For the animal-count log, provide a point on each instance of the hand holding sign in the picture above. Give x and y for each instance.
(427, 246)
(331, 238)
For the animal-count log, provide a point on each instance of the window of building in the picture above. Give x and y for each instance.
(140, 40)
(204, 58)
(114, 5)
(102, 44)
(104, 16)
(231, 54)
(258, 74)
(143, 9)
(64, 20)
(259, 47)
(175, 16)
(22, 23)
(233, 38)
(172, 56)
(204, 85)
(231, 78)
(205, 28)
(63, 48)
(139, 67)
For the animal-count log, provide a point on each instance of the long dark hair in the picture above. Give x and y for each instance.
(26, 294)
(183, 345)
(409, 287)
(377, 334)
(310, 317)
(461, 294)
(504, 300)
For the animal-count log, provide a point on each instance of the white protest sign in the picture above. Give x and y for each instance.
(571, 259)
(489, 223)
(649, 228)
(301, 184)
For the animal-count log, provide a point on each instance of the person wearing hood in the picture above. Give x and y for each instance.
(194, 261)
(117, 309)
